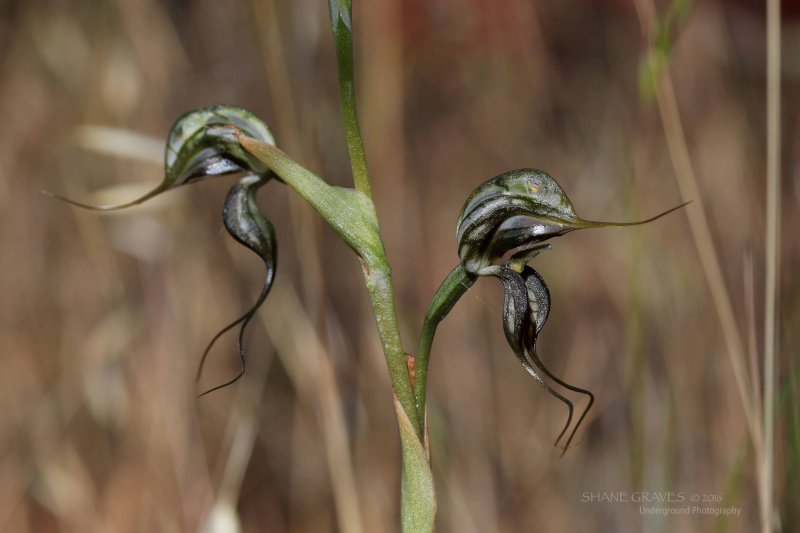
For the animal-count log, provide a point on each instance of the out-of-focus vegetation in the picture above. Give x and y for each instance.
(104, 317)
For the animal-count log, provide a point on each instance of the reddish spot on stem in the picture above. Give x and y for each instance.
(411, 365)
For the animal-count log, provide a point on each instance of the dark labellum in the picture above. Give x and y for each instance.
(245, 223)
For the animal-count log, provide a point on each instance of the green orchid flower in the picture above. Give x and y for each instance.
(513, 213)
(203, 144)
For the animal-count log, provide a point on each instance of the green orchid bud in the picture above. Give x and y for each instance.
(201, 144)
(514, 212)
(248, 226)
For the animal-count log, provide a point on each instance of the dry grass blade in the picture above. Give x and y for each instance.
(120, 142)
(701, 233)
(772, 252)
(309, 366)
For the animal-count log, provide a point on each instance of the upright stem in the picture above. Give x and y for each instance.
(376, 271)
(772, 248)
(381, 294)
(342, 27)
(417, 494)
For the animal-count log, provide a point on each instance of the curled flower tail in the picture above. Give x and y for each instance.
(518, 321)
(248, 226)
(539, 309)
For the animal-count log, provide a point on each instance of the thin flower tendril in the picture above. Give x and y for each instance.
(518, 320)
(245, 223)
(539, 310)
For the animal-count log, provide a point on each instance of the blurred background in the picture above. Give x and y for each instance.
(104, 316)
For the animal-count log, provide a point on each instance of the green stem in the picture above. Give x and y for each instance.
(457, 282)
(341, 25)
(352, 215)
(377, 272)
(417, 500)
(379, 284)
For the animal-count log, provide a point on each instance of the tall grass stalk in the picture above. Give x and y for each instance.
(698, 222)
(308, 363)
(772, 252)
(760, 422)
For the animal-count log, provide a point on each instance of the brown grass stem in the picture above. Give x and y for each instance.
(772, 251)
(698, 223)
